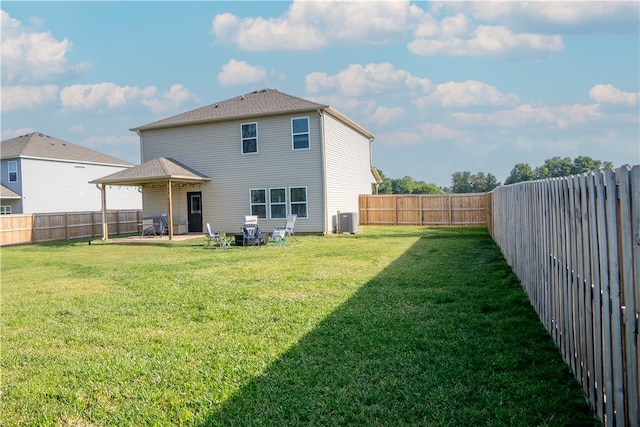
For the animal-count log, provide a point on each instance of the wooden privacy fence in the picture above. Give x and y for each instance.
(48, 227)
(574, 243)
(423, 209)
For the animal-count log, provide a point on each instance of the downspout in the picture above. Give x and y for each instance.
(325, 217)
(377, 184)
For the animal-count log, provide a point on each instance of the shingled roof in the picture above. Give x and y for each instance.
(259, 103)
(155, 170)
(39, 146)
(6, 193)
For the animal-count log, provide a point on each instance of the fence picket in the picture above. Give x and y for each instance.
(49, 227)
(575, 245)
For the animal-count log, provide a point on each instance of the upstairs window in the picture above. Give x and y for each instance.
(278, 203)
(298, 198)
(5, 210)
(13, 171)
(258, 202)
(249, 138)
(300, 133)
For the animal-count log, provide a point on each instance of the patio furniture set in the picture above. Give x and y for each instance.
(251, 234)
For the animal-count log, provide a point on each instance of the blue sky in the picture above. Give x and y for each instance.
(445, 86)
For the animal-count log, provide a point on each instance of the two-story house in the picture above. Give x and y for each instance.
(263, 153)
(42, 174)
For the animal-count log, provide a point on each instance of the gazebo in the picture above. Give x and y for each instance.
(159, 171)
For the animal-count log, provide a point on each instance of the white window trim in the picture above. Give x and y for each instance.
(266, 202)
(306, 202)
(9, 171)
(5, 210)
(242, 139)
(285, 203)
(308, 133)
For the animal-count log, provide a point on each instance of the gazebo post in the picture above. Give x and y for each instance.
(170, 210)
(105, 217)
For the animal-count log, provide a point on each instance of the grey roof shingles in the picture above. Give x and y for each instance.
(40, 146)
(158, 169)
(259, 103)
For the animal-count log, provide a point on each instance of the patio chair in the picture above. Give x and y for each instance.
(148, 228)
(219, 238)
(279, 237)
(289, 226)
(251, 220)
(251, 235)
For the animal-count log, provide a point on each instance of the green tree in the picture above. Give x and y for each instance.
(403, 185)
(490, 183)
(424, 188)
(555, 167)
(385, 186)
(461, 182)
(465, 182)
(520, 172)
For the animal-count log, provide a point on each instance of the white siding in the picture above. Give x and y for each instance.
(55, 186)
(348, 168)
(215, 151)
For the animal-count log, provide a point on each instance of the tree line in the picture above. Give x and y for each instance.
(466, 182)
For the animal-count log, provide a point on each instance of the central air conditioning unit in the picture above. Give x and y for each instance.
(347, 222)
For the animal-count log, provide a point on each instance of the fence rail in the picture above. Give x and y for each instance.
(574, 243)
(423, 209)
(49, 227)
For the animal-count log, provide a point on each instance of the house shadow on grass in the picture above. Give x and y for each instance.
(432, 340)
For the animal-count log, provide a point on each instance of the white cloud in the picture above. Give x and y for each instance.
(102, 94)
(27, 97)
(400, 137)
(608, 94)
(357, 80)
(29, 56)
(100, 142)
(553, 14)
(525, 115)
(13, 133)
(487, 40)
(385, 115)
(176, 97)
(466, 94)
(235, 73)
(309, 25)
(437, 131)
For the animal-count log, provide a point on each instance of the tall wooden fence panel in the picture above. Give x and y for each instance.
(423, 209)
(574, 243)
(50, 227)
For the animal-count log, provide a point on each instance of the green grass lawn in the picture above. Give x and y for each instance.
(395, 326)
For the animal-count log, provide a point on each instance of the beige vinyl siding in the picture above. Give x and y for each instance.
(215, 151)
(348, 168)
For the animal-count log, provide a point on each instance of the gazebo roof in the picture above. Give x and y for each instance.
(159, 169)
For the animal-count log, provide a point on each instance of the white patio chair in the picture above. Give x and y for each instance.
(218, 237)
(289, 226)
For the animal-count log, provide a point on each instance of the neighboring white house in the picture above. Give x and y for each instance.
(41, 174)
(263, 153)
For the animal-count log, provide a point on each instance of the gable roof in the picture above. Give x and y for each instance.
(36, 145)
(258, 103)
(6, 193)
(155, 170)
